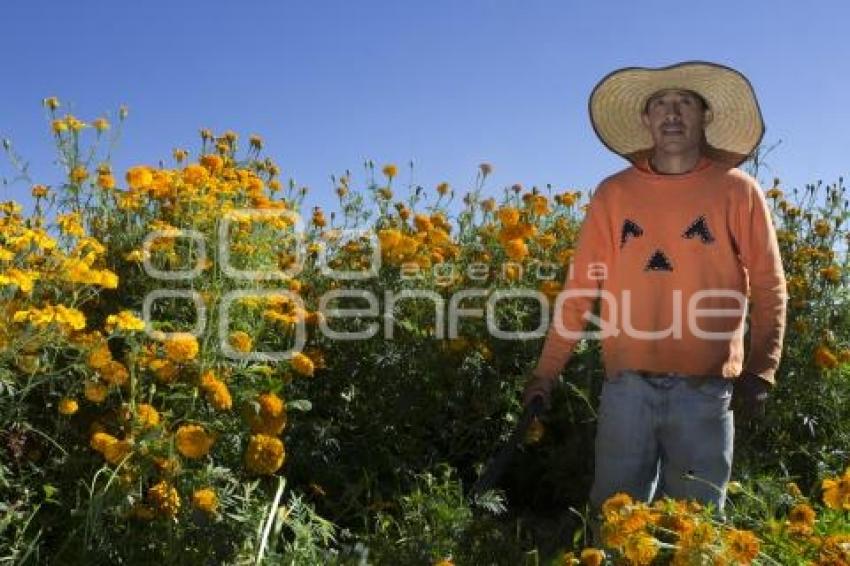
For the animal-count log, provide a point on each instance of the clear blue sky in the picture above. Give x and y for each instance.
(446, 83)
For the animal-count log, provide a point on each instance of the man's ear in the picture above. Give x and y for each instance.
(708, 116)
(645, 119)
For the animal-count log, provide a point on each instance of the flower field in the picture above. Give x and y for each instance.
(282, 407)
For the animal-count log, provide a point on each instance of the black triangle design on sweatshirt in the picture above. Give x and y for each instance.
(699, 227)
(658, 262)
(630, 229)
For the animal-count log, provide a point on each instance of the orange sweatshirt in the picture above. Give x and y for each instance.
(661, 250)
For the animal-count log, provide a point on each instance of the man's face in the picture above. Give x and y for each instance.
(676, 119)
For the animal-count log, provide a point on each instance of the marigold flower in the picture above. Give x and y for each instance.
(516, 249)
(592, 557)
(836, 491)
(101, 124)
(180, 155)
(214, 163)
(217, 393)
(241, 341)
(106, 181)
(181, 347)
(95, 391)
(265, 454)
(124, 320)
(824, 357)
(271, 417)
(443, 188)
(831, 273)
(39, 191)
(205, 499)
(743, 546)
(508, 216)
(115, 373)
(193, 441)
(390, 171)
(116, 452)
(147, 415)
(68, 406)
(641, 549)
(100, 440)
(303, 364)
(51, 102)
(801, 519)
(164, 499)
(139, 177)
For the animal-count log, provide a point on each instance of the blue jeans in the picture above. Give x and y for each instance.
(664, 436)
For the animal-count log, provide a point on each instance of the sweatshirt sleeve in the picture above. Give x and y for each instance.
(591, 258)
(759, 250)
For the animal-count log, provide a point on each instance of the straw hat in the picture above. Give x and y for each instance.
(619, 99)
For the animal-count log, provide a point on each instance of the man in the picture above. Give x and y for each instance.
(673, 244)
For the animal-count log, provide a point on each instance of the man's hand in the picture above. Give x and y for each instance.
(750, 395)
(538, 387)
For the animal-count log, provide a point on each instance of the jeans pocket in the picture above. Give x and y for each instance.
(714, 387)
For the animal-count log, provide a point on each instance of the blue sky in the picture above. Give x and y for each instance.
(445, 83)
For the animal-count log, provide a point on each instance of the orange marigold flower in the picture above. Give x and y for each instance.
(592, 557)
(641, 549)
(516, 249)
(303, 364)
(265, 454)
(743, 546)
(390, 170)
(68, 406)
(139, 177)
(271, 417)
(95, 391)
(181, 347)
(205, 499)
(824, 358)
(836, 491)
(508, 216)
(147, 415)
(801, 519)
(241, 341)
(193, 441)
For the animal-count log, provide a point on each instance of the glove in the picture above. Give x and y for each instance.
(749, 396)
(537, 386)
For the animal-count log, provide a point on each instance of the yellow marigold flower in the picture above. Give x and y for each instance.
(39, 191)
(616, 503)
(265, 454)
(539, 204)
(164, 499)
(78, 174)
(422, 222)
(95, 391)
(106, 181)
(216, 391)
(181, 348)
(205, 499)
(836, 491)
(193, 441)
(116, 452)
(115, 373)
(124, 320)
(640, 549)
(774, 193)
(302, 364)
(51, 102)
(508, 216)
(389, 239)
(139, 177)
(22, 279)
(99, 357)
(164, 370)
(70, 224)
(516, 249)
(241, 341)
(68, 406)
(822, 228)
(443, 188)
(592, 557)
(74, 123)
(58, 126)
(101, 440)
(742, 546)
(101, 124)
(824, 358)
(546, 241)
(801, 519)
(271, 417)
(390, 171)
(319, 218)
(214, 163)
(147, 415)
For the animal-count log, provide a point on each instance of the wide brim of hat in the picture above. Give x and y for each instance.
(617, 102)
